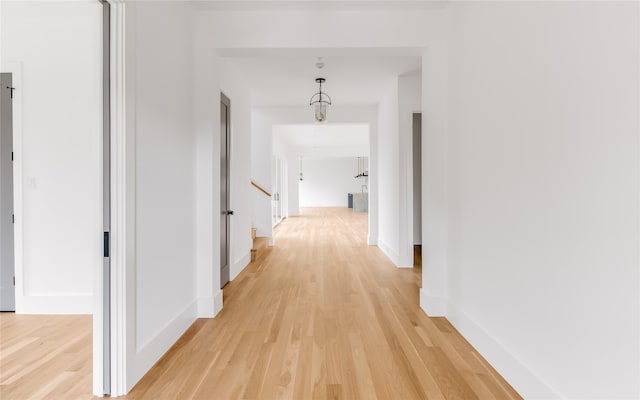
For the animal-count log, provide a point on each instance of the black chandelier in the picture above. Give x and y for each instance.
(320, 101)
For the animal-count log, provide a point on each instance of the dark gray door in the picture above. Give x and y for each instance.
(417, 178)
(225, 136)
(7, 263)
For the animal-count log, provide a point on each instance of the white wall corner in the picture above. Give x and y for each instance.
(217, 303)
(150, 352)
(392, 255)
(433, 306)
(240, 265)
(525, 381)
(206, 307)
(372, 239)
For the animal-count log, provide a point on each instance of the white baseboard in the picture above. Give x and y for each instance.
(239, 265)
(75, 304)
(151, 351)
(526, 382)
(372, 240)
(434, 306)
(205, 307)
(217, 303)
(393, 255)
(386, 249)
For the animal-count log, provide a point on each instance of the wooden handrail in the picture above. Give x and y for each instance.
(260, 188)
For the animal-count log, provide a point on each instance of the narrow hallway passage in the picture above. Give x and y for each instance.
(322, 315)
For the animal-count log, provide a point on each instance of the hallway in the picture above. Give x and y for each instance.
(322, 315)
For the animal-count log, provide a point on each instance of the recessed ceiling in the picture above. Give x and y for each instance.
(289, 80)
(315, 136)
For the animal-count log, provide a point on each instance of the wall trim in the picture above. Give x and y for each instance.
(217, 302)
(122, 202)
(149, 353)
(433, 306)
(524, 380)
(392, 255)
(67, 304)
(240, 265)
(206, 307)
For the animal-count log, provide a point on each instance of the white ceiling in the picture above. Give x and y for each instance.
(288, 78)
(316, 136)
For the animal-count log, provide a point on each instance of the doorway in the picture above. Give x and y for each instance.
(417, 189)
(225, 212)
(7, 261)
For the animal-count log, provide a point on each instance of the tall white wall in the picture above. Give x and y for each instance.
(543, 193)
(388, 164)
(162, 299)
(328, 180)
(409, 102)
(261, 166)
(212, 75)
(54, 52)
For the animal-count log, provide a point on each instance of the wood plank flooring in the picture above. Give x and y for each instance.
(45, 356)
(319, 316)
(323, 316)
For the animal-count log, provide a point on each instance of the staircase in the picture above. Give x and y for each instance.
(259, 244)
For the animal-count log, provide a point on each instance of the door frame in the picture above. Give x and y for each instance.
(12, 89)
(15, 69)
(224, 99)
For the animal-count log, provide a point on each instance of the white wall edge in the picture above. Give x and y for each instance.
(240, 265)
(74, 304)
(526, 382)
(372, 240)
(217, 303)
(122, 199)
(206, 307)
(150, 352)
(392, 255)
(433, 306)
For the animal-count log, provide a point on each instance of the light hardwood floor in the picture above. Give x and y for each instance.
(45, 356)
(323, 316)
(319, 316)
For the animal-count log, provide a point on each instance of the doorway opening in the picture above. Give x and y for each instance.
(417, 188)
(225, 212)
(7, 259)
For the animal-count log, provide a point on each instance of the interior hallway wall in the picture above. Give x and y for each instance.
(388, 166)
(328, 180)
(543, 193)
(55, 53)
(409, 102)
(161, 299)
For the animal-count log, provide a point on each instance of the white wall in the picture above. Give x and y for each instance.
(261, 166)
(409, 102)
(241, 161)
(54, 51)
(388, 164)
(543, 193)
(212, 75)
(328, 180)
(162, 300)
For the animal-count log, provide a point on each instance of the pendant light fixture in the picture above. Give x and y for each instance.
(319, 102)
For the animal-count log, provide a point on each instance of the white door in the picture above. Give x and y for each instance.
(7, 264)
